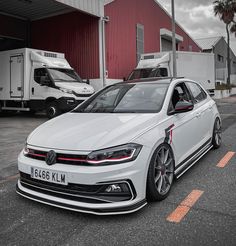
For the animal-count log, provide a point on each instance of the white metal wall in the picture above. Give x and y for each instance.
(94, 7)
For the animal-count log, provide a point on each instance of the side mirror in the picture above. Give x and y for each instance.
(87, 81)
(182, 107)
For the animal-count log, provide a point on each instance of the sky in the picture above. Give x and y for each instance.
(198, 19)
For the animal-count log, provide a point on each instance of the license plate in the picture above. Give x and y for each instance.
(49, 176)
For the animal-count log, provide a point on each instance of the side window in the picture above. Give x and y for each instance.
(197, 92)
(40, 74)
(180, 93)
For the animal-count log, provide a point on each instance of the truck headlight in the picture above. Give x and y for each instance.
(66, 90)
(115, 155)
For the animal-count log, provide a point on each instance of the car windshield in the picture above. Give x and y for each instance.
(148, 73)
(126, 98)
(64, 75)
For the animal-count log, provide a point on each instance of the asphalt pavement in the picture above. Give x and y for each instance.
(211, 220)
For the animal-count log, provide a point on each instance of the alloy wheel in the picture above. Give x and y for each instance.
(164, 170)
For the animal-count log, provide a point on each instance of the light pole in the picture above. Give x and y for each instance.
(173, 38)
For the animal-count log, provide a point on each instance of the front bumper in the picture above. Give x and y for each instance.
(133, 173)
(62, 203)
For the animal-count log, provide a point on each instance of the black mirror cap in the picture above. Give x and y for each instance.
(182, 107)
(86, 81)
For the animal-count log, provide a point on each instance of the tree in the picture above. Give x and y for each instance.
(233, 27)
(225, 9)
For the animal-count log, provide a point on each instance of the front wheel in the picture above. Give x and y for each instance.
(160, 173)
(217, 134)
(52, 110)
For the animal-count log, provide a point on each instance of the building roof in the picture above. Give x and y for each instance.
(208, 43)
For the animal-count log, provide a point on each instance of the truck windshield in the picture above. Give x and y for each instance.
(64, 75)
(148, 73)
(126, 98)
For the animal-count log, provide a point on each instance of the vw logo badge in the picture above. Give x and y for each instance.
(51, 157)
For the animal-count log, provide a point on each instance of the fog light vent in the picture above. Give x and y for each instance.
(114, 188)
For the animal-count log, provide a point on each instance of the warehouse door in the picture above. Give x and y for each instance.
(166, 45)
(16, 75)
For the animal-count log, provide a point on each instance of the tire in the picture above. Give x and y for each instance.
(52, 110)
(217, 134)
(160, 173)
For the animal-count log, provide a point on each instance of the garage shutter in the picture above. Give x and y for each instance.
(166, 45)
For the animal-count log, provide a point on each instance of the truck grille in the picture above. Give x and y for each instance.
(83, 95)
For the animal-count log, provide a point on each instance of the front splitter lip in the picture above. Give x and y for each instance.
(97, 211)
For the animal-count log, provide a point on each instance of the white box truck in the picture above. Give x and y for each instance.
(33, 80)
(197, 66)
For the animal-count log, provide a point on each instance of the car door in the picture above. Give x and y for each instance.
(203, 110)
(185, 131)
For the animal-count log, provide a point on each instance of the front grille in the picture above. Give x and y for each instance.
(60, 158)
(75, 192)
(83, 95)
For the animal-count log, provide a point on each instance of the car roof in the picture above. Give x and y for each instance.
(154, 80)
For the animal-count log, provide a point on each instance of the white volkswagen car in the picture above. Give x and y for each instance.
(121, 147)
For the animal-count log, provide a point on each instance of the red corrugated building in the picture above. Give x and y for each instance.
(103, 45)
(121, 34)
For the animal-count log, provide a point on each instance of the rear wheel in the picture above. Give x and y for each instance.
(160, 173)
(52, 110)
(217, 134)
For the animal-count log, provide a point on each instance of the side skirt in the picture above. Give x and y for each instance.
(187, 164)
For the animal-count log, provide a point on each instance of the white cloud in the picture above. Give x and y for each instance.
(198, 19)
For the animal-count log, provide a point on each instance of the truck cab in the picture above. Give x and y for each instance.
(41, 80)
(151, 66)
(197, 66)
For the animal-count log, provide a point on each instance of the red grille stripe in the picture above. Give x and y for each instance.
(70, 159)
(39, 155)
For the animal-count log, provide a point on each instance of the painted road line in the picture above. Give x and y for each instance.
(9, 178)
(224, 161)
(178, 214)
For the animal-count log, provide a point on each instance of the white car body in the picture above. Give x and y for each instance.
(188, 134)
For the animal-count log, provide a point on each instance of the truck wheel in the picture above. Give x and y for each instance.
(52, 110)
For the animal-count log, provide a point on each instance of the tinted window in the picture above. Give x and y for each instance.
(180, 93)
(148, 73)
(40, 74)
(197, 92)
(127, 98)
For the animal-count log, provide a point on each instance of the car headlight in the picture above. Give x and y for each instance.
(115, 155)
(66, 90)
(25, 151)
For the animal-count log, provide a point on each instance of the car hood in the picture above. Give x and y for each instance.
(80, 88)
(90, 131)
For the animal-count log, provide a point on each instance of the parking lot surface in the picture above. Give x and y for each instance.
(200, 210)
